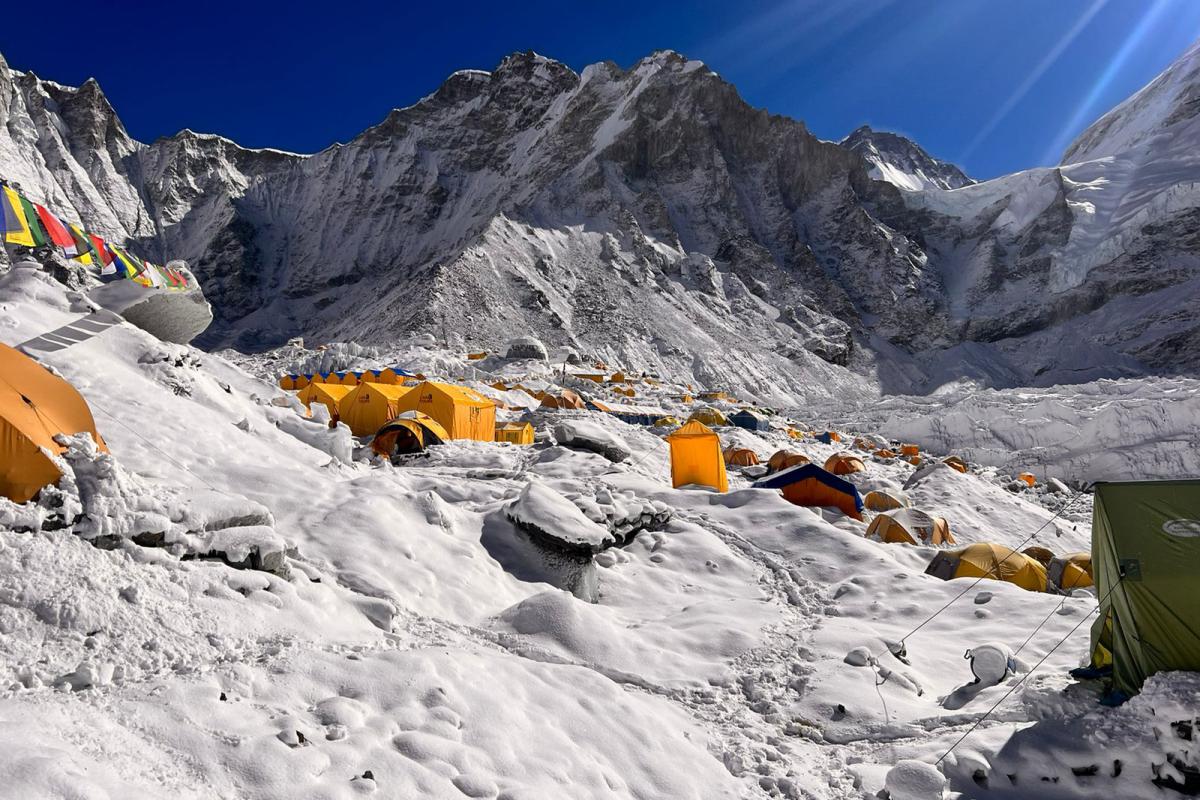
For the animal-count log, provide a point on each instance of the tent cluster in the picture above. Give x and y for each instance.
(32, 225)
(35, 406)
(390, 375)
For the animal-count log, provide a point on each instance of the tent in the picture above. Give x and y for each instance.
(624, 391)
(740, 457)
(618, 377)
(288, 382)
(782, 459)
(909, 450)
(1028, 478)
(880, 500)
(1070, 571)
(956, 463)
(330, 394)
(910, 526)
(809, 485)
(885, 453)
(667, 422)
(1041, 555)
(829, 437)
(463, 412)
(515, 432)
(1145, 559)
(564, 399)
(35, 406)
(915, 460)
(750, 419)
(708, 416)
(302, 381)
(393, 375)
(596, 405)
(482, 354)
(370, 376)
(994, 561)
(411, 432)
(844, 464)
(368, 406)
(696, 457)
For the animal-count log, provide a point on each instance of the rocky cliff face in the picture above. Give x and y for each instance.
(902, 162)
(648, 216)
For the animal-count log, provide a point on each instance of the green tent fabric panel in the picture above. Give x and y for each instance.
(1151, 531)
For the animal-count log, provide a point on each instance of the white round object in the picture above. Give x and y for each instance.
(990, 662)
(915, 780)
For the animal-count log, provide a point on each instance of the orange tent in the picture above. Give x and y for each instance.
(885, 453)
(696, 457)
(909, 450)
(477, 356)
(907, 525)
(880, 500)
(954, 462)
(844, 464)
(35, 406)
(740, 457)
(784, 459)
(809, 485)
(1028, 478)
(564, 399)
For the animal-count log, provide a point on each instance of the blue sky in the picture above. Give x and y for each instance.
(995, 85)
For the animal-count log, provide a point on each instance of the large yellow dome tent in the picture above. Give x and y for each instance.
(35, 406)
(782, 459)
(910, 526)
(696, 457)
(463, 412)
(330, 394)
(368, 406)
(986, 560)
(411, 432)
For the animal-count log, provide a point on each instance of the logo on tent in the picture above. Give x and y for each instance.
(1183, 528)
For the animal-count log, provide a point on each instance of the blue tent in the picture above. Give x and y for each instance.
(825, 438)
(750, 420)
(810, 485)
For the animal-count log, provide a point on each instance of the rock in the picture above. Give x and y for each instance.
(551, 517)
(584, 435)
(915, 780)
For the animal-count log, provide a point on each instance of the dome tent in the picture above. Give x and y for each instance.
(910, 526)
(526, 347)
(1070, 571)
(986, 560)
(708, 416)
(35, 406)
(880, 500)
(844, 464)
(411, 432)
(740, 457)
(782, 459)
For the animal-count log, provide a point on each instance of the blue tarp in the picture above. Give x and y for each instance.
(805, 471)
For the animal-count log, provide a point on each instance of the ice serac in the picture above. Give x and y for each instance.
(902, 162)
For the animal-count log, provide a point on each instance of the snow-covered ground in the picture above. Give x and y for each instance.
(413, 639)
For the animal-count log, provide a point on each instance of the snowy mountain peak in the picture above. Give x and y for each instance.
(1166, 108)
(901, 161)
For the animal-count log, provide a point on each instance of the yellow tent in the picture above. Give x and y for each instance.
(390, 377)
(463, 412)
(564, 399)
(708, 416)
(696, 457)
(740, 457)
(1070, 571)
(515, 432)
(330, 394)
(885, 453)
(477, 356)
(667, 422)
(618, 377)
(35, 406)
(994, 561)
(624, 390)
(501, 385)
(908, 526)
(956, 463)
(288, 382)
(782, 459)
(879, 500)
(411, 432)
(844, 464)
(368, 406)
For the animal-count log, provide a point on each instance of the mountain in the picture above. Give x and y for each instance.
(650, 217)
(901, 161)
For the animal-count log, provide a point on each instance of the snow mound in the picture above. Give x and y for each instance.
(545, 513)
(585, 435)
(915, 780)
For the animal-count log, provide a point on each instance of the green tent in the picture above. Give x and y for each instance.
(1146, 559)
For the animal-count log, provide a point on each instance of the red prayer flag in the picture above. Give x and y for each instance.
(56, 230)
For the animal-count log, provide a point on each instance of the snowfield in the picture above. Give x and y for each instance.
(405, 632)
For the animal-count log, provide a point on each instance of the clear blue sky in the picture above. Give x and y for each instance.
(996, 85)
